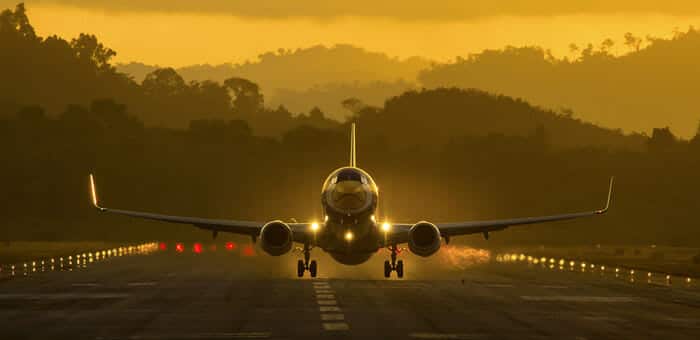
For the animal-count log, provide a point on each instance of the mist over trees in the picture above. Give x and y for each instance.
(630, 82)
(652, 85)
(215, 149)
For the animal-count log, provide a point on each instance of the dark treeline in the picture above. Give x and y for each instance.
(442, 154)
(53, 72)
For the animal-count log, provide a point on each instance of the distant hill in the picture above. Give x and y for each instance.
(301, 78)
(436, 117)
(652, 86)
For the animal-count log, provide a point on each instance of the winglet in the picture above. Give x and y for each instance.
(353, 150)
(93, 192)
(610, 192)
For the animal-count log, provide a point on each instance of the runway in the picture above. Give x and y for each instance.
(244, 294)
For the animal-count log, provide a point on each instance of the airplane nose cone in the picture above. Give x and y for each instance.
(348, 196)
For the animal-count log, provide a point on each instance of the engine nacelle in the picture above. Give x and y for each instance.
(276, 238)
(424, 239)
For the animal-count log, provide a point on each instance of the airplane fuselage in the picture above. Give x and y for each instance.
(349, 232)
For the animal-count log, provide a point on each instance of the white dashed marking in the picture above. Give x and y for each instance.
(445, 336)
(325, 297)
(336, 326)
(141, 284)
(332, 317)
(326, 302)
(329, 309)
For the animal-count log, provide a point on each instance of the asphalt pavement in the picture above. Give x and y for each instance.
(240, 293)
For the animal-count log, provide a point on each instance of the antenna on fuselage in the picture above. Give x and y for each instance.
(353, 152)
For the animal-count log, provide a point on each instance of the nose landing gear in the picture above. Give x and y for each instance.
(304, 265)
(393, 265)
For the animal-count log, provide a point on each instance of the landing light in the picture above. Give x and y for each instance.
(386, 226)
(349, 236)
(314, 226)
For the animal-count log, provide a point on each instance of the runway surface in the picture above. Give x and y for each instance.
(244, 294)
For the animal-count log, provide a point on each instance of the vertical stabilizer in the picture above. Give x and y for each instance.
(353, 153)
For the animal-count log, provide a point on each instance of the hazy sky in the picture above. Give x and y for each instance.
(181, 32)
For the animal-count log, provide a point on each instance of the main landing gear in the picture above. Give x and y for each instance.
(304, 265)
(393, 265)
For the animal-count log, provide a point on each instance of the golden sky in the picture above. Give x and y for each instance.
(178, 33)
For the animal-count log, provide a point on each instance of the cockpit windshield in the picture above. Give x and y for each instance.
(349, 175)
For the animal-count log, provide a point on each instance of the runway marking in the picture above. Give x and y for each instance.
(326, 302)
(565, 298)
(64, 296)
(90, 284)
(322, 287)
(335, 326)
(553, 287)
(603, 318)
(247, 335)
(499, 285)
(329, 309)
(445, 336)
(332, 317)
(325, 297)
(142, 284)
(324, 291)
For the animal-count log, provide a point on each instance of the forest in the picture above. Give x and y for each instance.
(214, 148)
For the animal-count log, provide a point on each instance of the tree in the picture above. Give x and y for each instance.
(247, 96)
(88, 49)
(634, 43)
(17, 22)
(164, 81)
(662, 140)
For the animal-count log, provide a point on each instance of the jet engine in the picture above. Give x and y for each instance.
(424, 239)
(276, 238)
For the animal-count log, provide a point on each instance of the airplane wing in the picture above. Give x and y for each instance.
(400, 231)
(251, 228)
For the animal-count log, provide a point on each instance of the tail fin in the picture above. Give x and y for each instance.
(353, 150)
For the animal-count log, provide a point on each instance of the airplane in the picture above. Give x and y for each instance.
(349, 231)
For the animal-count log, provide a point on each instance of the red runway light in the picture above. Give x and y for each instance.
(248, 251)
(163, 246)
(230, 246)
(197, 248)
(179, 248)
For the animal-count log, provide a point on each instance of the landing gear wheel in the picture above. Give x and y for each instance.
(399, 269)
(300, 268)
(387, 269)
(312, 268)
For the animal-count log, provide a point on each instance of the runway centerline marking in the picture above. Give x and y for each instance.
(142, 284)
(566, 298)
(86, 284)
(332, 317)
(325, 297)
(326, 302)
(445, 336)
(335, 326)
(329, 309)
